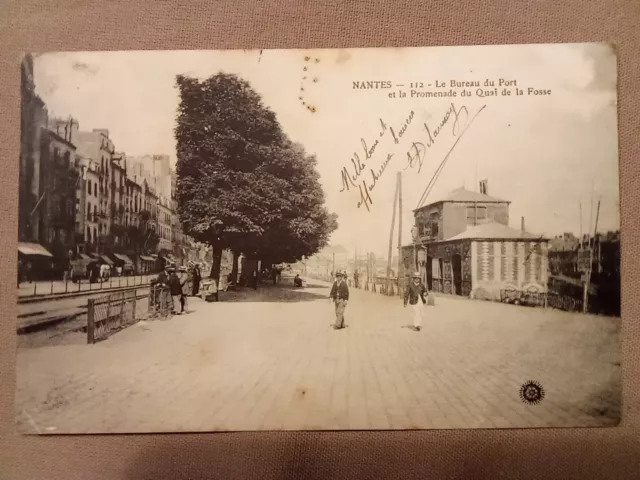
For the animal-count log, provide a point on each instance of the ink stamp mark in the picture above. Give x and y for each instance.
(531, 392)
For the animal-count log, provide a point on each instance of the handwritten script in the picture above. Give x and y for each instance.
(364, 178)
(460, 122)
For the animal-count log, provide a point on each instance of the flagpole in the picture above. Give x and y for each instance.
(393, 223)
(400, 262)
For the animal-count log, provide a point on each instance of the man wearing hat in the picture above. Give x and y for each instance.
(414, 292)
(339, 295)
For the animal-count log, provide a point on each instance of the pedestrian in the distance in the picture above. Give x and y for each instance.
(197, 278)
(254, 279)
(176, 290)
(339, 295)
(187, 288)
(415, 295)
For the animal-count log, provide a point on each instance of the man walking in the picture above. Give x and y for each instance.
(187, 288)
(339, 295)
(414, 292)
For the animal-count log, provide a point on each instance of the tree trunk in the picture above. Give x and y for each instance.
(234, 267)
(215, 269)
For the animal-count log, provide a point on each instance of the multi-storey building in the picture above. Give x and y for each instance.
(33, 120)
(58, 180)
(164, 224)
(87, 201)
(161, 171)
(150, 207)
(99, 147)
(118, 198)
(133, 204)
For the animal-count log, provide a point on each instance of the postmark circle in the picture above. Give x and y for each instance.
(531, 392)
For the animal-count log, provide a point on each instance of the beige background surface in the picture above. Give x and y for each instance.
(30, 25)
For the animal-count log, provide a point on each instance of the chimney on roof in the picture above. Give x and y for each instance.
(484, 187)
(522, 224)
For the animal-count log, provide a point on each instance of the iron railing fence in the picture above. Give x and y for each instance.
(111, 313)
(38, 288)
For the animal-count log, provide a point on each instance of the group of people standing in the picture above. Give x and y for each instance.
(415, 295)
(183, 282)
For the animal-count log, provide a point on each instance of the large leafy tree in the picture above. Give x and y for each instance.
(303, 224)
(242, 184)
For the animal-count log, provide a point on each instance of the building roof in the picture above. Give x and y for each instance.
(463, 195)
(495, 231)
(60, 139)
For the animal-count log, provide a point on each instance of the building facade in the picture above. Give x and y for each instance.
(97, 146)
(33, 121)
(164, 224)
(78, 195)
(87, 201)
(464, 246)
(58, 180)
(118, 199)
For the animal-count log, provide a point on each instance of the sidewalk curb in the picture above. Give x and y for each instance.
(63, 296)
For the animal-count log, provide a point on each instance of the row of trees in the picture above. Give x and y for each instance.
(243, 185)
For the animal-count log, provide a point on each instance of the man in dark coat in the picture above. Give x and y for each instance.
(197, 277)
(176, 290)
(415, 295)
(339, 295)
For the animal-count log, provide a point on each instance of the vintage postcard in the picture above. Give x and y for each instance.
(383, 238)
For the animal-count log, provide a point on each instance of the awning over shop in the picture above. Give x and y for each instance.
(106, 260)
(123, 257)
(27, 248)
(147, 258)
(86, 257)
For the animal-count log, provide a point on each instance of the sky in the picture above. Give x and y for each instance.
(546, 154)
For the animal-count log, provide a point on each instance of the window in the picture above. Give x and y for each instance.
(95, 213)
(88, 234)
(434, 229)
(474, 213)
(434, 220)
(89, 185)
(89, 211)
(95, 235)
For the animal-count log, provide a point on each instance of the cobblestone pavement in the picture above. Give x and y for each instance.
(269, 360)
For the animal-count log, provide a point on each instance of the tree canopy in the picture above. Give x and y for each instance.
(242, 184)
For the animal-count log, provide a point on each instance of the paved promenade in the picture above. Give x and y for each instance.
(269, 360)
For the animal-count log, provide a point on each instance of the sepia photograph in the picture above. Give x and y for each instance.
(329, 239)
